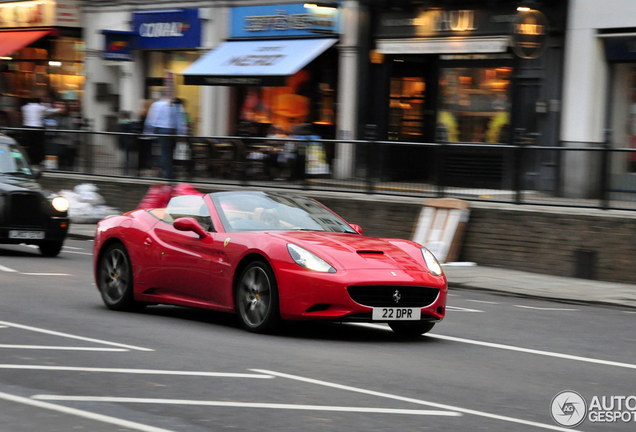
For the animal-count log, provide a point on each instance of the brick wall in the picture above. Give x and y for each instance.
(550, 241)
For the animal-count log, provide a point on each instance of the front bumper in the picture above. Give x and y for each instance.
(54, 231)
(308, 295)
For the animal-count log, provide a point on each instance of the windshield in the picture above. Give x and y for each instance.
(260, 211)
(12, 161)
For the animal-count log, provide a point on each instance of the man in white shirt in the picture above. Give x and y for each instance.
(33, 118)
(165, 118)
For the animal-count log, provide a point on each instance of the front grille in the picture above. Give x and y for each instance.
(25, 210)
(384, 295)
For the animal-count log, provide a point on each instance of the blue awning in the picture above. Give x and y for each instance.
(254, 63)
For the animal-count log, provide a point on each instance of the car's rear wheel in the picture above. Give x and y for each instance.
(411, 329)
(256, 298)
(115, 279)
(51, 249)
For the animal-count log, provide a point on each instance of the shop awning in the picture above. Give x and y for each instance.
(254, 63)
(451, 45)
(13, 41)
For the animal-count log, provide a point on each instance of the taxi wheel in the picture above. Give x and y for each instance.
(115, 279)
(256, 298)
(50, 249)
(411, 329)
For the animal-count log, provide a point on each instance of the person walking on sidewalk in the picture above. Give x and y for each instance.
(166, 119)
(33, 114)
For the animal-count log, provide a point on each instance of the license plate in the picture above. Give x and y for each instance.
(28, 235)
(396, 314)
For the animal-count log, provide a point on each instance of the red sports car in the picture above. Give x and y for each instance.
(266, 257)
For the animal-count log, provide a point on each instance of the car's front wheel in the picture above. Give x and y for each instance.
(51, 249)
(256, 298)
(115, 279)
(411, 329)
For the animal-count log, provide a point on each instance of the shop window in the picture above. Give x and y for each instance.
(406, 109)
(474, 105)
(631, 118)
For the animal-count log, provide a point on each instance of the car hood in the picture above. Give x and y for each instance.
(11, 183)
(356, 252)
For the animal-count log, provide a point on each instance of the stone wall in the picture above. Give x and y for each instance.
(566, 242)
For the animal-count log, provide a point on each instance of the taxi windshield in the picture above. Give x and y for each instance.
(12, 160)
(260, 211)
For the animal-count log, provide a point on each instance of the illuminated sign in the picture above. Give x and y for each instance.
(167, 29)
(42, 13)
(530, 34)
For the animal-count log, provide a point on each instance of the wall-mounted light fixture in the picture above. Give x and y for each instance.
(523, 9)
(6, 58)
(321, 6)
(55, 63)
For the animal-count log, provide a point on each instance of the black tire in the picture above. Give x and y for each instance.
(256, 298)
(51, 249)
(115, 279)
(411, 329)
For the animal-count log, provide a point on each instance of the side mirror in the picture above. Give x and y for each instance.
(190, 224)
(358, 228)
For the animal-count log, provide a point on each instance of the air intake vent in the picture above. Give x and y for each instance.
(384, 295)
(370, 252)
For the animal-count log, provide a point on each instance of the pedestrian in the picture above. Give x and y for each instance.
(127, 143)
(56, 123)
(166, 119)
(33, 119)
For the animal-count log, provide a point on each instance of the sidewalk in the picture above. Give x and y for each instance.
(511, 282)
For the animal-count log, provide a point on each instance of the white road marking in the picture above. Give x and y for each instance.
(7, 269)
(81, 413)
(70, 336)
(453, 295)
(630, 312)
(483, 301)
(514, 348)
(244, 405)
(1, 327)
(411, 400)
(461, 309)
(71, 247)
(46, 274)
(62, 348)
(545, 309)
(77, 253)
(135, 371)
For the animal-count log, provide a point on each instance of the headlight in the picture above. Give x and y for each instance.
(306, 259)
(431, 262)
(60, 203)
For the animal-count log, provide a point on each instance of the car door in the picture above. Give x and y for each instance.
(182, 257)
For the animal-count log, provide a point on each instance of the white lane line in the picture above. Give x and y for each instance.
(77, 253)
(453, 295)
(533, 351)
(70, 336)
(62, 348)
(483, 301)
(71, 247)
(545, 308)
(135, 371)
(81, 413)
(461, 309)
(244, 405)
(7, 269)
(630, 312)
(46, 274)
(411, 400)
(514, 348)
(1, 327)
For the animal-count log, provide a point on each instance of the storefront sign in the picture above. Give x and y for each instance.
(42, 13)
(530, 34)
(288, 20)
(167, 29)
(444, 23)
(117, 45)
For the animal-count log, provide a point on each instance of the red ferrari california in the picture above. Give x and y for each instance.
(266, 257)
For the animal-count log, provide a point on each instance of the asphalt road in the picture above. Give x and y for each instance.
(495, 363)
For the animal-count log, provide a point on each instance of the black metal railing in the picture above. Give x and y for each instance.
(583, 174)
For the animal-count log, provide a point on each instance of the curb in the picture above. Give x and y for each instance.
(617, 304)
